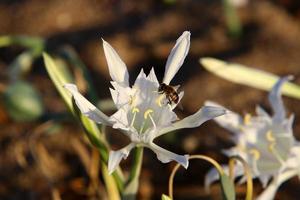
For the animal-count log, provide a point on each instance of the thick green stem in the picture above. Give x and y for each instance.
(133, 180)
(110, 183)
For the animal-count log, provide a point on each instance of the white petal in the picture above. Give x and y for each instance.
(293, 162)
(276, 100)
(177, 56)
(166, 156)
(86, 107)
(268, 193)
(121, 95)
(152, 77)
(115, 157)
(261, 112)
(202, 115)
(231, 121)
(119, 119)
(264, 179)
(117, 68)
(211, 176)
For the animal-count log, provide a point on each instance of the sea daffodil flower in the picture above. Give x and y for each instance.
(143, 113)
(265, 142)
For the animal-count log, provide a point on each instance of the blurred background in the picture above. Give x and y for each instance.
(43, 151)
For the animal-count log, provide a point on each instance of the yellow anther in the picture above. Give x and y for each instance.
(270, 137)
(247, 119)
(159, 100)
(255, 153)
(135, 110)
(148, 112)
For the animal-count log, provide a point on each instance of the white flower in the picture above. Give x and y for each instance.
(143, 113)
(265, 142)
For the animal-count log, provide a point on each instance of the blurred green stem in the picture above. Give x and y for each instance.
(133, 180)
(111, 187)
(232, 20)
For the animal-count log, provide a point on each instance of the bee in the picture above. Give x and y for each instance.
(170, 92)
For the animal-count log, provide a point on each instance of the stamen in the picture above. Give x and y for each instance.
(142, 127)
(134, 111)
(159, 100)
(270, 137)
(152, 120)
(272, 149)
(247, 119)
(255, 153)
(147, 112)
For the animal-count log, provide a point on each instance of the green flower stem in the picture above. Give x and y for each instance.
(97, 139)
(232, 19)
(111, 187)
(249, 194)
(133, 179)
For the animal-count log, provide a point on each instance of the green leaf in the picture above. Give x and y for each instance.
(60, 75)
(25, 41)
(227, 187)
(132, 185)
(23, 101)
(20, 65)
(248, 76)
(165, 197)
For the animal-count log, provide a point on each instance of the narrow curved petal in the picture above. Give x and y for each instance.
(231, 121)
(86, 107)
(115, 157)
(293, 162)
(202, 115)
(276, 100)
(166, 156)
(117, 68)
(177, 56)
(261, 112)
(270, 192)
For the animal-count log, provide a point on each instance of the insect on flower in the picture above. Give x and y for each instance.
(170, 92)
(141, 114)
